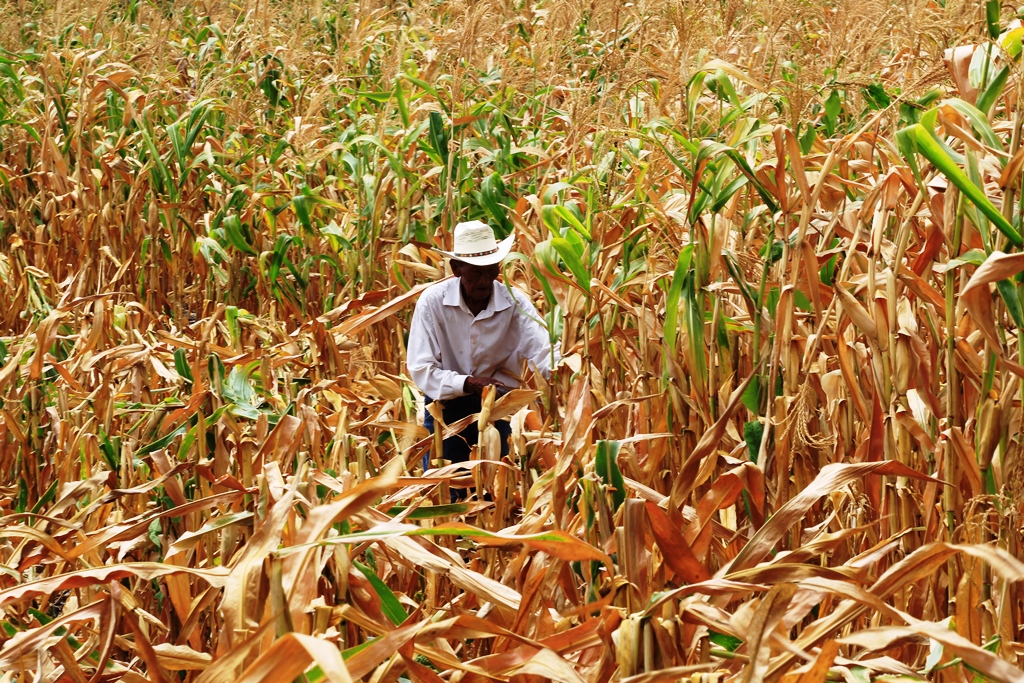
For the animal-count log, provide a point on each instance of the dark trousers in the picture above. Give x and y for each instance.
(456, 448)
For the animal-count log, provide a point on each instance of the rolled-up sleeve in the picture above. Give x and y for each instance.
(423, 357)
(535, 345)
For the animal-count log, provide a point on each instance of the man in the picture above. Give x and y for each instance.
(470, 332)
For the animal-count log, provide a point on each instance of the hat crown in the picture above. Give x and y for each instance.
(474, 238)
(477, 245)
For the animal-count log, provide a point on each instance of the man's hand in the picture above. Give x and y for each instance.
(475, 385)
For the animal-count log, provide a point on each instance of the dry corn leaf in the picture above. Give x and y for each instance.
(995, 668)
(181, 657)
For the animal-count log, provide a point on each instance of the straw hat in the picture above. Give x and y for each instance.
(476, 245)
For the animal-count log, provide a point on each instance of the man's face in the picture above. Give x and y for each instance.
(477, 281)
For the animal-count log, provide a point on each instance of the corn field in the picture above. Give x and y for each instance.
(778, 243)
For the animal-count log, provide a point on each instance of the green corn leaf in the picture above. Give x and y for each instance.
(573, 261)
(245, 410)
(710, 149)
(993, 90)
(110, 454)
(178, 145)
(235, 233)
(978, 119)
(876, 96)
(550, 194)
(726, 642)
(389, 603)
(982, 66)
(379, 97)
(393, 161)
(907, 146)
(753, 431)
(12, 78)
(992, 18)
(740, 280)
(725, 87)
(694, 323)
(807, 139)
(279, 257)
(551, 219)
(671, 326)
(700, 202)
(657, 125)
(439, 137)
(427, 88)
(833, 107)
(493, 197)
(187, 443)
(974, 257)
(215, 369)
(46, 498)
(21, 124)
(300, 204)
(43, 618)
(237, 388)
(231, 319)
(431, 511)
(1012, 42)
(280, 148)
(570, 218)
(403, 108)
(725, 195)
(693, 94)
(608, 469)
(209, 247)
(196, 119)
(159, 173)
(928, 146)
(269, 84)
(1008, 291)
(977, 218)
(752, 396)
(162, 442)
(546, 255)
(549, 294)
(316, 673)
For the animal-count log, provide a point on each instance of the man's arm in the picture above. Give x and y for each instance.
(535, 344)
(423, 358)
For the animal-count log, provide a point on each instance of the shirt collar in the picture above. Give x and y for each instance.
(500, 299)
(452, 295)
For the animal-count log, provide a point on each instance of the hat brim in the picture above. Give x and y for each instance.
(504, 247)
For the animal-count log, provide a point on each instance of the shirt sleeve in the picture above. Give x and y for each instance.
(423, 357)
(535, 345)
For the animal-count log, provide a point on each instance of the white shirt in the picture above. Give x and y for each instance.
(447, 343)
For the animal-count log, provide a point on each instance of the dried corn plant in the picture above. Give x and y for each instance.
(778, 245)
